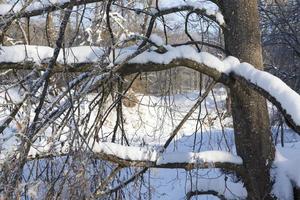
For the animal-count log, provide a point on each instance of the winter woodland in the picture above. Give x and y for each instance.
(150, 99)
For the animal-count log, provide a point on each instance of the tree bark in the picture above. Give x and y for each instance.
(249, 110)
(296, 193)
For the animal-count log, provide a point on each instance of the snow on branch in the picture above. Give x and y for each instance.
(199, 7)
(147, 157)
(286, 171)
(271, 87)
(37, 8)
(11, 12)
(206, 156)
(219, 187)
(39, 56)
(42, 54)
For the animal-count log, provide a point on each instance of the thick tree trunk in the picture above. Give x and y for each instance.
(296, 193)
(249, 110)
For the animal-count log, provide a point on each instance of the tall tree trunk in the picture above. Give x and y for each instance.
(249, 109)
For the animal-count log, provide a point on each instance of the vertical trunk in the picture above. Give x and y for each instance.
(50, 30)
(249, 110)
(296, 193)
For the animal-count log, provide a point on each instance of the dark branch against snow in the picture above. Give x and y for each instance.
(39, 8)
(130, 156)
(271, 87)
(218, 186)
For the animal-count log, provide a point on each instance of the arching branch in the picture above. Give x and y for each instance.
(200, 62)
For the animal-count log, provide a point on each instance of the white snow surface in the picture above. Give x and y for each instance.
(40, 54)
(197, 5)
(228, 189)
(286, 170)
(13, 94)
(5, 8)
(156, 39)
(205, 156)
(126, 152)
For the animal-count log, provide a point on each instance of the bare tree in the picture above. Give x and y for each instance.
(280, 36)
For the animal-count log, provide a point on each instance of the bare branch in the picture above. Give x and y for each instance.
(45, 9)
(190, 194)
(148, 163)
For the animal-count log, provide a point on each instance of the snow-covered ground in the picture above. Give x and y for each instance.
(149, 124)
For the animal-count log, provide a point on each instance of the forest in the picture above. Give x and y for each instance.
(150, 99)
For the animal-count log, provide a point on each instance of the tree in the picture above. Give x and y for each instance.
(251, 121)
(98, 73)
(280, 22)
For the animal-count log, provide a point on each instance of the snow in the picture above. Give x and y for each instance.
(205, 156)
(136, 153)
(196, 5)
(8, 142)
(187, 52)
(40, 54)
(148, 154)
(285, 165)
(125, 152)
(81, 54)
(156, 39)
(220, 18)
(228, 189)
(13, 94)
(5, 8)
(153, 130)
(21, 53)
(86, 54)
(288, 98)
(148, 122)
(286, 170)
